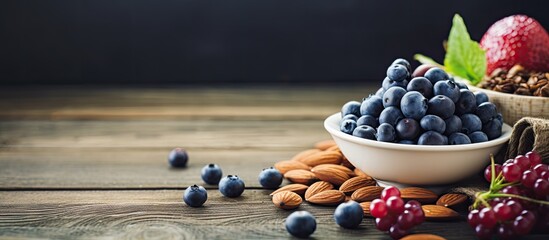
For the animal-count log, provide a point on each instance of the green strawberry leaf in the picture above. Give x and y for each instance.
(425, 60)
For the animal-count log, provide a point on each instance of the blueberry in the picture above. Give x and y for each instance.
(178, 158)
(453, 125)
(365, 131)
(448, 89)
(351, 107)
(404, 63)
(486, 111)
(211, 174)
(349, 116)
(407, 129)
(409, 142)
(195, 196)
(372, 105)
(392, 96)
(413, 105)
(458, 138)
(270, 178)
(367, 120)
(349, 214)
(347, 126)
(433, 123)
(388, 83)
(231, 186)
(421, 85)
(436, 74)
(390, 115)
(481, 97)
(478, 136)
(470, 123)
(461, 84)
(397, 72)
(386, 133)
(380, 92)
(441, 106)
(431, 138)
(301, 224)
(467, 102)
(492, 128)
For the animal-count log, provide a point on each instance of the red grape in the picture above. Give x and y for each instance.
(488, 171)
(534, 157)
(419, 215)
(383, 224)
(541, 187)
(544, 175)
(522, 225)
(406, 220)
(487, 218)
(516, 207)
(378, 208)
(396, 232)
(523, 162)
(510, 190)
(540, 168)
(483, 232)
(395, 205)
(503, 212)
(389, 192)
(473, 218)
(529, 177)
(512, 172)
(505, 231)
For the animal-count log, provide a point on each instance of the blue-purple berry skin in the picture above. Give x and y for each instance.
(178, 158)
(195, 196)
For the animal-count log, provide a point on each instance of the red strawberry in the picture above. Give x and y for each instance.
(516, 39)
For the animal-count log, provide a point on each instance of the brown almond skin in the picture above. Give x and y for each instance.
(328, 198)
(305, 153)
(360, 173)
(333, 148)
(421, 195)
(331, 175)
(295, 187)
(452, 199)
(366, 208)
(317, 187)
(323, 157)
(439, 213)
(349, 172)
(301, 176)
(355, 183)
(285, 166)
(323, 145)
(345, 162)
(366, 194)
(422, 236)
(287, 200)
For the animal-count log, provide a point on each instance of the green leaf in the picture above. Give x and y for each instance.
(464, 57)
(425, 60)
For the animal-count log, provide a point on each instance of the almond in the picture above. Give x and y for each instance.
(360, 173)
(301, 176)
(333, 148)
(355, 183)
(345, 162)
(324, 157)
(338, 167)
(287, 200)
(328, 197)
(368, 193)
(302, 154)
(366, 208)
(423, 236)
(296, 187)
(451, 199)
(317, 187)
(323, 145)
(421, 195)
(436, 212)
(331, 175)
(285, 166)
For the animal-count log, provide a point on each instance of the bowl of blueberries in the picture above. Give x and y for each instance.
(420, 128)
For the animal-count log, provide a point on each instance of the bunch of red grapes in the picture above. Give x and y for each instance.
(517, 201)
(393, 215)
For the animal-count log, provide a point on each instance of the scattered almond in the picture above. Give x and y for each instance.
(285, 166)
(345, 162)
(368, 193)
(451, 199)
(436, 212)
(328, 197)
(360, 173)
(287, 200)
(323, 145)
(301, 176)
(355, 183)
(333, 148)
(317, 187)
(423, 236)
(324, 157)
(338, 167)
(302, 154)
(421, 195)
(331, 175)
(366, 208)
(296, 187)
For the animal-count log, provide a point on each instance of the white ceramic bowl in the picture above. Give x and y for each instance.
(404, 165)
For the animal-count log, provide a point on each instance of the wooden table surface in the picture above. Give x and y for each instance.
(91, 162)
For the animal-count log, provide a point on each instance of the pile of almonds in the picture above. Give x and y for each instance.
(324, 176)
(517, 81)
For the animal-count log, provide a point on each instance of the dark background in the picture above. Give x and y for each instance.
(220, 41)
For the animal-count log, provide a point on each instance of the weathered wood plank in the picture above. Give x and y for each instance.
(126, 214)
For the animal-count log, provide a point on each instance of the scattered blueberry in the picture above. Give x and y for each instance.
(492, 128)
(368, 120)
(348, 126)
(231, 186)
(195, 196)
(453, 125)
(390, 115)
(386, 133)
(178, 158)
(388, 83)
(436, 74)
(380, 92)
(372, 105)
(301, 224)
(467, 102)
(392, 97)
(408, 129)
(211, 174)
(431, 138)
(421, 85)
(486, 111)
(441, 106)
(397, 72)
(447, 88)
(349, 214)
(413, 105)
(470, 123)
(433, 123)
(458, 138)
(351, 107)
(365, 131)
(349, 116)
(404, 63)
(481, 97)
(270, 178)
(478, 136)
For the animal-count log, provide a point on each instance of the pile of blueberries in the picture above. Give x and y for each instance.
(426, 107)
